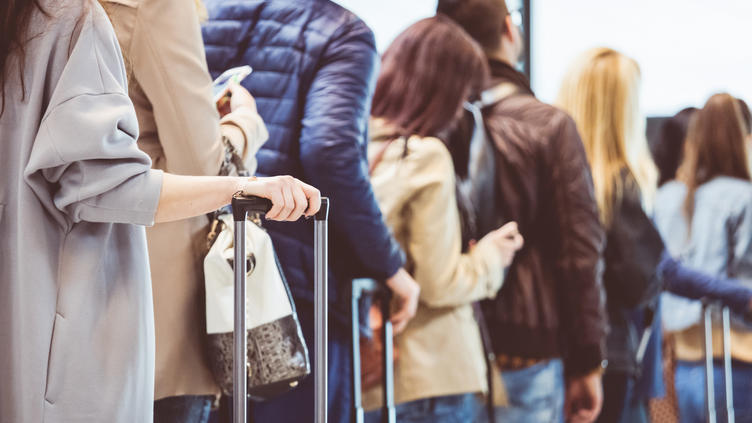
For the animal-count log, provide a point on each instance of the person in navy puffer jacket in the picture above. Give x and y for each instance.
(314, 67)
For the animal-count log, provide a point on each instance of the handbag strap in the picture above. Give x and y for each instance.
(232, 160)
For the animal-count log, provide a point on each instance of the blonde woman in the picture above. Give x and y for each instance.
(181, 130)
(601, 92)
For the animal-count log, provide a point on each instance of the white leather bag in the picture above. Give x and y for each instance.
(267, 299)
(277, 353)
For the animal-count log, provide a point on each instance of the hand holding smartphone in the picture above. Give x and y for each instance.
(221, 85)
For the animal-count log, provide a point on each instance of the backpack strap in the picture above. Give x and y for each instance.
(496, 93)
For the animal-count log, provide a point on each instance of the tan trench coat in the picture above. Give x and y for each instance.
(180, 130)
(440, 351)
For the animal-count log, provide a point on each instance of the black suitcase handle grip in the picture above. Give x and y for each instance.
(242, 205)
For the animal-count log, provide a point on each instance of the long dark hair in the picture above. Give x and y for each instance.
(714, 147)
(15, 17)
(426, 74)
(669, 148)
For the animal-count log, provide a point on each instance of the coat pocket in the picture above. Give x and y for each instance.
(55, 362)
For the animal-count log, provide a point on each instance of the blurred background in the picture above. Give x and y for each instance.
(687, 49)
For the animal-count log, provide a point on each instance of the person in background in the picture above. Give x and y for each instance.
(601, 92)
(314, 67)
(706, 218)
(76, 312)
(170, 86)
(547, 324)
(440, 374)
(747, 123)
(668, 150)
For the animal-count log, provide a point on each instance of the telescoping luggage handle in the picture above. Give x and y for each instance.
(370, 287)
(710, 409)
(242, 206)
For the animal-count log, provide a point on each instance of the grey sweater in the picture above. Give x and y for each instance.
(719, 243)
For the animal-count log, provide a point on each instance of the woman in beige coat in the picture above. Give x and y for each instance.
(427, 73)
(181, 130)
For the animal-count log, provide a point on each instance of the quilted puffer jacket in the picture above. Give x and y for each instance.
(314, 66)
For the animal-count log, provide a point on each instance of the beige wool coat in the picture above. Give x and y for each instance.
(440, 351)
(181, 131)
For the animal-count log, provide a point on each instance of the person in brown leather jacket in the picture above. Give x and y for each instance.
(547, 323)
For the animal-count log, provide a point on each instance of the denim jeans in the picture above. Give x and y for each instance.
(183, 409)
(690, 390)
(459, 408)
(536, 394)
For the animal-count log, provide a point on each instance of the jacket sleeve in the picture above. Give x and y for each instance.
(447, 277)
(689, 283)
(332, 151)
(580, 245)
(168, 61)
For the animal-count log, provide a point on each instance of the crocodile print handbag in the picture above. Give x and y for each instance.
(277, 354)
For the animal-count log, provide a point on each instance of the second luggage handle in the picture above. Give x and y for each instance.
(241, 207)
(371, 287)
(710, 407)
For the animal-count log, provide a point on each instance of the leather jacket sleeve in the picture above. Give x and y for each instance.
(580, 248)
(332, 151)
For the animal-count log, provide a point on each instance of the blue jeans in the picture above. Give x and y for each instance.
(459, 408)
(183, 409)
(297, 405)
(536, 394)
(690, 390)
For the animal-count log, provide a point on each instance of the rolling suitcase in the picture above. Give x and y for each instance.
(710, 408)
(361, 289)
(241, 207)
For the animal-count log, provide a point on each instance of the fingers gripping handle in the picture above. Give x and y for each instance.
(242, 205)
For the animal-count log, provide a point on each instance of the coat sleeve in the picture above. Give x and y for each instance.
(169, 63)
(332, 152)
(580, 245)
(85, 154)
(447, 277)
(689, 283)
(86, 151)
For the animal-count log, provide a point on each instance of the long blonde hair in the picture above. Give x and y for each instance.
(601, 93)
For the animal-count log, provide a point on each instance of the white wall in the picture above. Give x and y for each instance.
(687, 49)
(388, 18)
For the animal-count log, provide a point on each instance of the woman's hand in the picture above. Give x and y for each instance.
(508, 240)
(237, 98)
(290, 197)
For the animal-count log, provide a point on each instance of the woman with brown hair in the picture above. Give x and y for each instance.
(76, 311)
(705, 216)
(427, 73)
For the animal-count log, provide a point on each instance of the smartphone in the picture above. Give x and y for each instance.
(221, 85)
